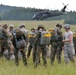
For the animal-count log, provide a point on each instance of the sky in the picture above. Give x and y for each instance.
(43, 4)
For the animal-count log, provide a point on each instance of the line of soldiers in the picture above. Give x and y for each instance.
(38, 41)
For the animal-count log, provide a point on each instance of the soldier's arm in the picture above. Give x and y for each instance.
(24, 37)
(61, 36)
(70, 39)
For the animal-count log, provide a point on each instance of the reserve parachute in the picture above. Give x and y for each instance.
(31, 37)
(45, 38)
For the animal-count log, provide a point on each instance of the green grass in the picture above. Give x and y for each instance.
(9, 68)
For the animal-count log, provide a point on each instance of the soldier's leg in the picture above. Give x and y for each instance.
(8, 57)
(66, 58)
(44, 55)
(38, 51)
(47, 51)
(75, 48)
(24, 57)
(34, 53)
(7, 50)
(29, 50)
(71, 53)
(53, 53)
(2, 51)
(16, 57)
(59, 52)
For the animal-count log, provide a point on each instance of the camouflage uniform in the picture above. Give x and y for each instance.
(69, 52)
(4, 43)
(19, 36)
(40, 48)
(74, 40)
(31, 43)
(56, 46)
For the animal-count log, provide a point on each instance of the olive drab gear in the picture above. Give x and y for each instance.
(45, 38)
(54, 36)
(20, 43)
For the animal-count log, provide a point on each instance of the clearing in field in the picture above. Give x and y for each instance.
(9, 68)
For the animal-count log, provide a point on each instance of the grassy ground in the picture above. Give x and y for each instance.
(9, 68)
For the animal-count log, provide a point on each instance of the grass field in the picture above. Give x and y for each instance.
(9, 68)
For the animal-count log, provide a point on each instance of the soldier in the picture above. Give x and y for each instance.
(74, 40)
(22, 28)
(40, 47)
(11, 32)
(19, 40)
(4, 42)
(56, 44)
(69, 52)
(31, 41)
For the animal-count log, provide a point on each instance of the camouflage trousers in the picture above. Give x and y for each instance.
(5, 46)
(23, 56)
(75, 47)
(69, 53)
(56, 51)
(40, 49)
(33, 49)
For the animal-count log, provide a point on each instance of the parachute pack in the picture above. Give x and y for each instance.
(45, 38)
(19, 43)
(31, 37)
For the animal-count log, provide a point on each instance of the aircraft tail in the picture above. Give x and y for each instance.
(63, 9)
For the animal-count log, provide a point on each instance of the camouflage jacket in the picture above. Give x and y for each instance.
(57, 39)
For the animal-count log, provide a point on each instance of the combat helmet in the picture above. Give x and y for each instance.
(40, 26)
(59, 25)
(11, 26)
(5, 26)
(67, 26)
(22, 25)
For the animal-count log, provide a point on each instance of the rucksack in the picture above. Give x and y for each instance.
(45, 38)
(19, 43)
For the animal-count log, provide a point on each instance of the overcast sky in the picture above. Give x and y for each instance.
(44, 4)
